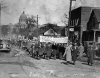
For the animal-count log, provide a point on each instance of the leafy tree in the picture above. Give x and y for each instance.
(4, 30)
(31, 22)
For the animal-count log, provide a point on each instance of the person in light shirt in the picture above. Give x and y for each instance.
(81, 50)
(68, 53)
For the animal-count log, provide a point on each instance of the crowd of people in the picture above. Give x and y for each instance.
(47, 51)
(64, 51)
(68, 51)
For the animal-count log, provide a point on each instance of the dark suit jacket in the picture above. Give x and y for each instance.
(74, 53)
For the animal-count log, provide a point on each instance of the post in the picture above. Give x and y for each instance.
(94, 35)
(69, 18)
(37, 26)
(0, 21)
(37, 37)
(0, 14)
(81, 33)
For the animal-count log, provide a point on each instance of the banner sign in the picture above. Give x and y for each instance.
(45, 39)
(53, 39)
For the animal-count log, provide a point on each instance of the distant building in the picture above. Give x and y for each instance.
(23, 20)
(50, 30)
(93, 26)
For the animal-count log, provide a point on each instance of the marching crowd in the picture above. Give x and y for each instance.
(70, 51)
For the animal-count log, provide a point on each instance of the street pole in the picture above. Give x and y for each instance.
(0, 14)
(37, 26)
(37, 37)
(0, 21)
(68, 33)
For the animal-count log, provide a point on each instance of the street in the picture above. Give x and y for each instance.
(23, 66)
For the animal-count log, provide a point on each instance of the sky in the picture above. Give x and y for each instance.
(49, 11)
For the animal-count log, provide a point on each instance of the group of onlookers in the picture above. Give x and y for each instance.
(47, 51)
(72, 52)
(68, 51)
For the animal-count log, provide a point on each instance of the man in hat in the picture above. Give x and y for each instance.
(74, 53)
(54, 48)
(90, 54)
(49, 50)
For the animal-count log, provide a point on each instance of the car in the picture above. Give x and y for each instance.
(4, 46)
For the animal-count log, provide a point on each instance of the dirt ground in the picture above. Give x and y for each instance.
(23, 66)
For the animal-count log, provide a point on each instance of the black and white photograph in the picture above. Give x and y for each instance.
(49, 38)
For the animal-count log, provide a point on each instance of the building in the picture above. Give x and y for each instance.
(93, 26)
(23, 20)
(50, 30)
(79, 19)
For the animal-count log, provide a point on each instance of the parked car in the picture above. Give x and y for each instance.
(4, 46)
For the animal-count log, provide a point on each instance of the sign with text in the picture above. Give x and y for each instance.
(53, 39)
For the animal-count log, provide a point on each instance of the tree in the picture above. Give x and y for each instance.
(65, 20)
(31, 22)
(4, 30)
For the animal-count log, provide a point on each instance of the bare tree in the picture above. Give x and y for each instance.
(65, 20)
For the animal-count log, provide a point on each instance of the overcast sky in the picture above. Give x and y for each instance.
(51, 11)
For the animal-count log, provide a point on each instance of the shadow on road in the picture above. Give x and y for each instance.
(85, 63)
(97, 59)
(66, 63)
(24, 63)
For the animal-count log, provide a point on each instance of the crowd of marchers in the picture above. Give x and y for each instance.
(67, 51)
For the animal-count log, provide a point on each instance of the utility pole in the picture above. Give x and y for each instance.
(0, 20)
(37, 36)
(68, 33)
(37, 27)
(0, 14)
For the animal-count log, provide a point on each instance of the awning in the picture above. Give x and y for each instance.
(96, 29)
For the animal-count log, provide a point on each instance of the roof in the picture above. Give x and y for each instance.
(96, 29)
(56, 28)
(86, 7)
(46, 27)
(97, 14)
(23, 16)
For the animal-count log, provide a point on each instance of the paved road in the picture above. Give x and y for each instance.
(26, 67)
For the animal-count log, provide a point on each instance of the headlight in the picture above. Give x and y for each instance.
(1, 45)
(7, 46)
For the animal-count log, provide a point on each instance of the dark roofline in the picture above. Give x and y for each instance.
(85, 7)
(96, 9)
(97, 13)
(81, 7)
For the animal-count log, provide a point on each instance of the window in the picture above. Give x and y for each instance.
(99, 25)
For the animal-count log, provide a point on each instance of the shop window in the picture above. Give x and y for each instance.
(99, 25)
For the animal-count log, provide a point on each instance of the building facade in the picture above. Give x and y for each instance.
(93, 26)
(79, 19)
(50, 30)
